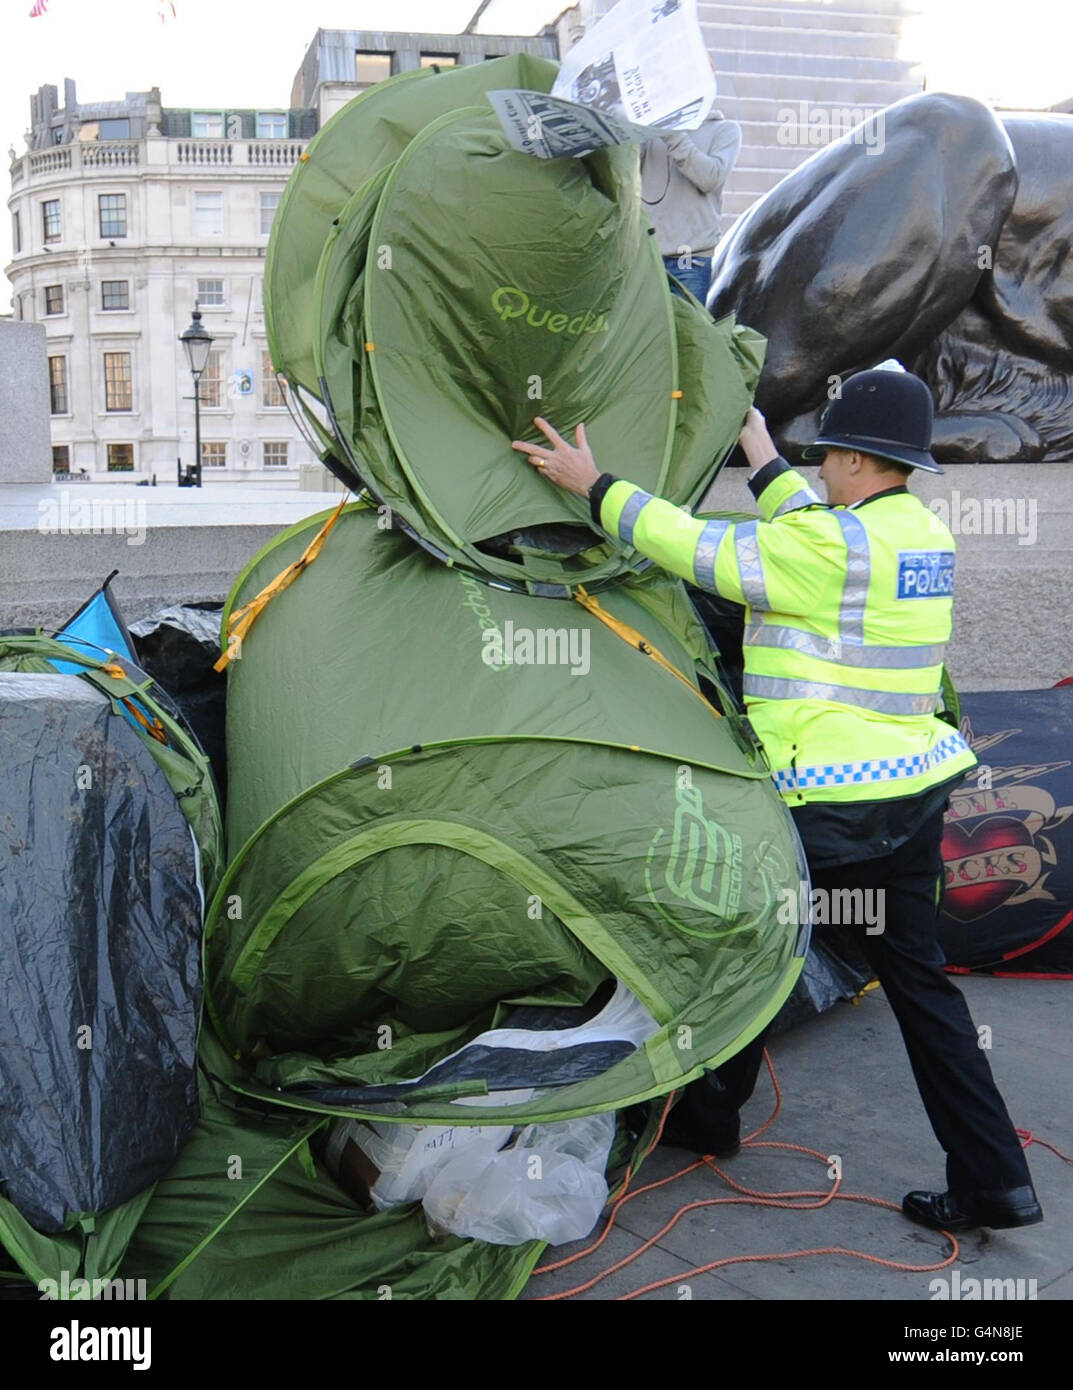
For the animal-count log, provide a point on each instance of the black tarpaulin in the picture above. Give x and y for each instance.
(100, 926)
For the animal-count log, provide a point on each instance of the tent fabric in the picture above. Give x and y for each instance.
(427, 844)
(246, 1212)
(361, 140)
(433, 328)
(1008, 838)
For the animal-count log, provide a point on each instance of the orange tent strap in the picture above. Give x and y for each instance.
(635, 639)
(240, 622)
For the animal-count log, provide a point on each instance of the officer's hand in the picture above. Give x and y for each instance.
(570, 466)
(757, 444)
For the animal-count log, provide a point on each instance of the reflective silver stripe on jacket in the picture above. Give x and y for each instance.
(803, 497)
(886, 702)
(858, 573)
(750, 567)
(795, 639)
(706, 551)
(635, 505)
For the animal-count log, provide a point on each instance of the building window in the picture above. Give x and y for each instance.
(372, 67)
(271, 125)
(208, 125)
(57, 385)
(120, 458)
(274, 453)
(61, 458)
(50, 220)
(208, 214)
(213, 454)
(210, 294)
(115, 294)
(53, 299)
(118, 386)
(212, 380)
(439, 60)
(272, 396)
(269, 204)
(113, 214)
(115, 128)
(16, 232)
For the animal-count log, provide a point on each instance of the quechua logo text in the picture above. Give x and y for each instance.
(511, 304)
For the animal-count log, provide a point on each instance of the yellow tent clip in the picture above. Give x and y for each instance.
(370, 347)
(677, 395)
(303, 158)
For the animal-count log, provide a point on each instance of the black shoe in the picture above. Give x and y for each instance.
(999, 1209)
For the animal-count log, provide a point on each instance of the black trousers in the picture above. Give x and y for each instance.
(963, 1103)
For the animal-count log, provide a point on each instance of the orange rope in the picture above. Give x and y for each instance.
(794, 1200)
(240, 622)
(1028, 1138)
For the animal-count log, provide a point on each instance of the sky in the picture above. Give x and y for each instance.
(245, 54)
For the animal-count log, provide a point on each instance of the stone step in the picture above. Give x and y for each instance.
(759, 153)
(780, 88)
(757, 181)
(760, 111)
(818, 67)
(759, 38)
(866, 16)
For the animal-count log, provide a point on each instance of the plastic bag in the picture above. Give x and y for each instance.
(385, 1165)
(549, 1185)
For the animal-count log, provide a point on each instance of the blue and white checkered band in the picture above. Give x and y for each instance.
(870, 770)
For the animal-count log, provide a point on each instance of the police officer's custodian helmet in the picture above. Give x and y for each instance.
(887, 412)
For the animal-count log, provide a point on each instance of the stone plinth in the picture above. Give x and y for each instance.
(25, 443)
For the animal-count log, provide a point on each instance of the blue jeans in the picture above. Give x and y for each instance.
(696, 279)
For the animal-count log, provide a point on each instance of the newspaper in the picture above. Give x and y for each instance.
(644, 66)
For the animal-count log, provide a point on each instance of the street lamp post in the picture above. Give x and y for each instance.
(197, 344)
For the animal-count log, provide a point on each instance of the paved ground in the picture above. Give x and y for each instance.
(847, 1090)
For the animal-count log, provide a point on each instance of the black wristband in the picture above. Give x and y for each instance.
(764, 477)
(597, 493)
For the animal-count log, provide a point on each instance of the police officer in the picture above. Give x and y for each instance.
(848, 608)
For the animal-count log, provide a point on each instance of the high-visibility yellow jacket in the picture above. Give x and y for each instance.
(848, 612)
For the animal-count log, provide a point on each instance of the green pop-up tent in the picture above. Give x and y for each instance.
(447, 799)
(434, 290)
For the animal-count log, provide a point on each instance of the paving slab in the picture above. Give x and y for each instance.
(847, 1090)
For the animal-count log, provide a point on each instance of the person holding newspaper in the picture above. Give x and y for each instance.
(848, 611)
(683, 173)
